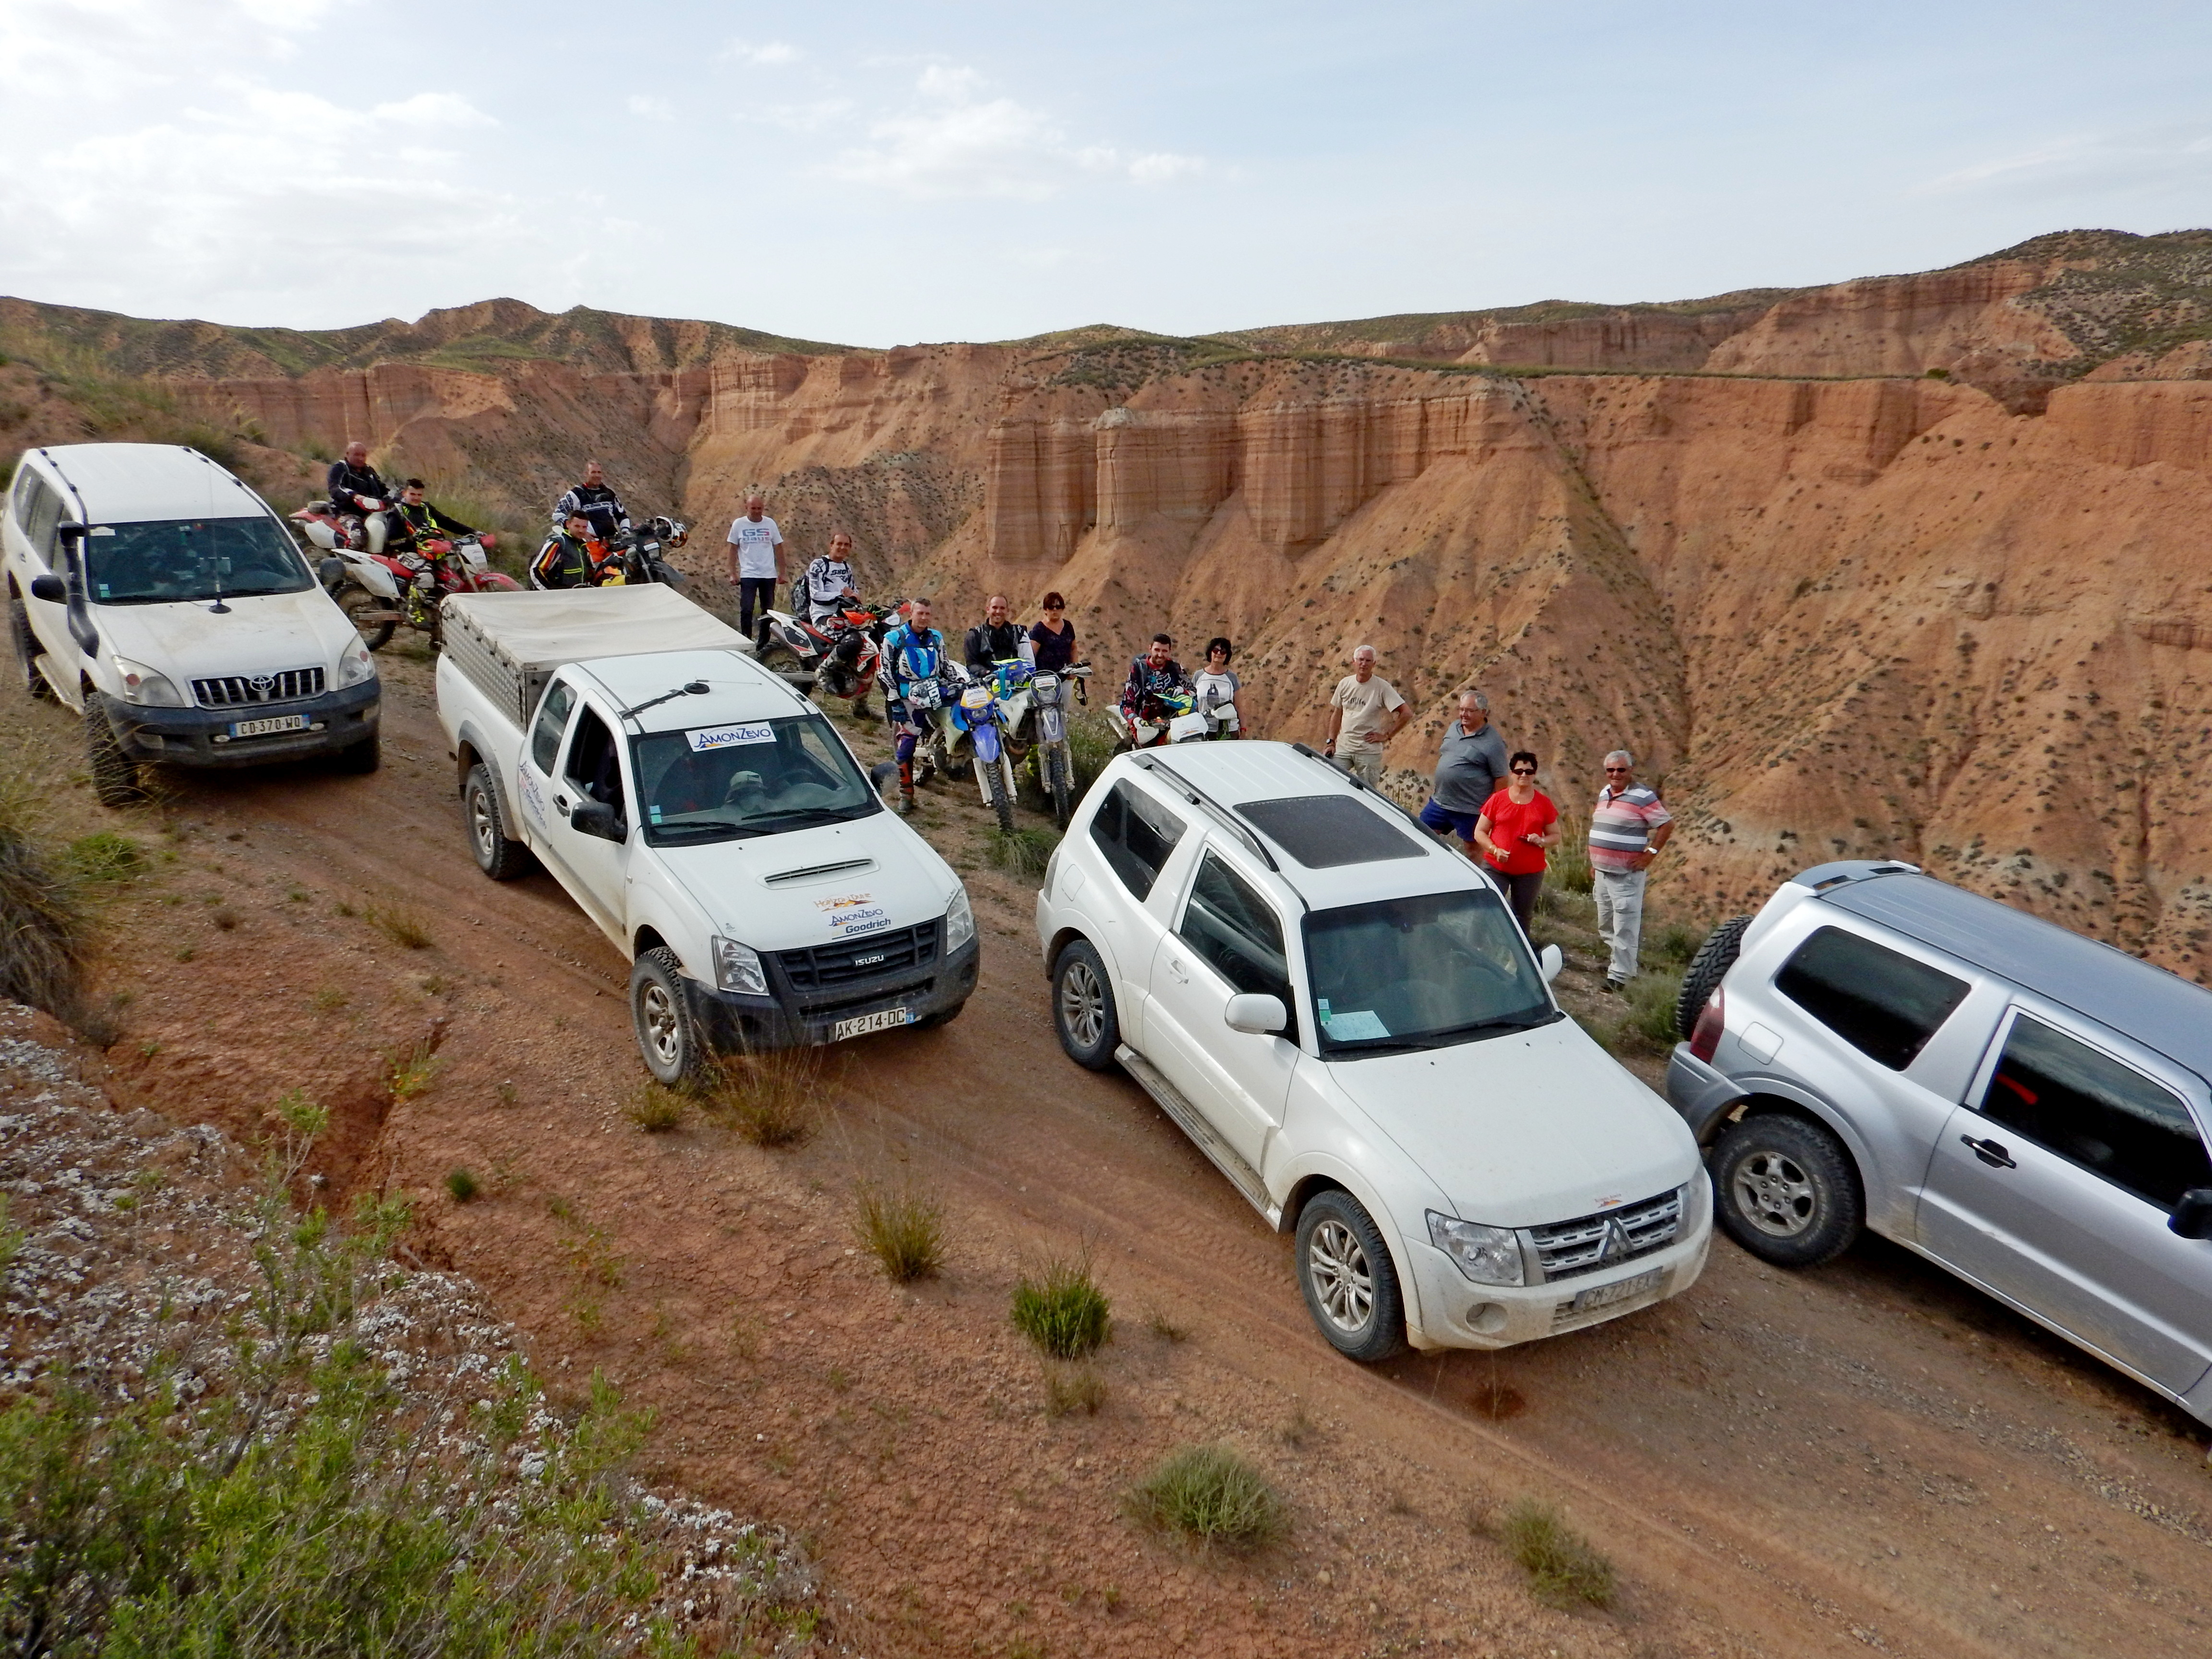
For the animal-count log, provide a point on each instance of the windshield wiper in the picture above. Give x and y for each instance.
(1474, 1028)
(706, 827)
(801, 817)
(1378, 1046)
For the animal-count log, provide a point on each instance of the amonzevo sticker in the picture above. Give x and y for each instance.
(853, 913)
(729, 737)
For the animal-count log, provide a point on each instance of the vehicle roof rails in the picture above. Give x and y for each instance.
(1198, 797)
(1360, 783)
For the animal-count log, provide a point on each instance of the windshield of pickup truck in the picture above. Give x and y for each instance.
(748, 778)
(1407, 974)
(172, 561)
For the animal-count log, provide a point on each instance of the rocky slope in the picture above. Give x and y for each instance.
(1906, 566)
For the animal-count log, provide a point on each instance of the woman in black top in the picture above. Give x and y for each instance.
(1054, 637)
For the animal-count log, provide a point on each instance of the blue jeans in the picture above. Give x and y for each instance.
(1442, 820)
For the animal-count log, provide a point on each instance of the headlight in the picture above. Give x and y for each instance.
(959, 921)
(141, 685)
(737, 968)
(1488, 1255)
(354, 666)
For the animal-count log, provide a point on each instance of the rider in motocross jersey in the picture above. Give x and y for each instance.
(410, 522)
(599, 504)
(1155, 673)
(912, 653)
(570, 557)
(357, 493)
(829, 581)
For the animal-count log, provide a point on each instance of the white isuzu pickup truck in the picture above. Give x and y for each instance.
(705, 815)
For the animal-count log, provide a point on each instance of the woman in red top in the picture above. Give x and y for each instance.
(1517, 823)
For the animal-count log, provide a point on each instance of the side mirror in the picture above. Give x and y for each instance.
(595, 818)
(1255, 1014)
(1551, 961)
(51, 588)
(2193, 1215)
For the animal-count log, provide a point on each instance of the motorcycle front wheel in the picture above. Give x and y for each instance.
(779, 658)
(1058, 784)
(358, 603)
(992, 776)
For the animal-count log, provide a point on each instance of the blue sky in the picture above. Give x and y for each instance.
(878, 173)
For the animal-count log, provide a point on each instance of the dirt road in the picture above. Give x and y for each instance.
(1869, 1456)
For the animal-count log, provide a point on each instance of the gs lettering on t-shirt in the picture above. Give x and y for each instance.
(756, 540)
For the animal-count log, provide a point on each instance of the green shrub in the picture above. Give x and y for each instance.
(1648, 1024)
(1023, 854)
(1676, 942)
(1210, 1495)
(903, 1230)
(1562, 1569)
(461, 1184)
(46, 930)
(1062, 1309)
(104, 859)
(1090, 744)
(1568, 860)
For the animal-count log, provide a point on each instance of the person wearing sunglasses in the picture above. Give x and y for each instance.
(1517, 823)
(1628, 826)
(1054, 638)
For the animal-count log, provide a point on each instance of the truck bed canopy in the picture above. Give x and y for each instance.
(509, 644)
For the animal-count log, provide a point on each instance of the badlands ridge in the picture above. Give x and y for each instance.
(1908, 566)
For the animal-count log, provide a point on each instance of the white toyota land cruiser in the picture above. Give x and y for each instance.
(1345, 1018)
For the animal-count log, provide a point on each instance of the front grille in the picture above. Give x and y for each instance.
(239, 690)
(1590, 1242)
(849, 962)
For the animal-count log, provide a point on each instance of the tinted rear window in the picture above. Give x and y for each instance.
(1883, 1003)
(1136, 834)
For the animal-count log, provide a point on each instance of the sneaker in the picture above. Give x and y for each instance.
(1616, 986)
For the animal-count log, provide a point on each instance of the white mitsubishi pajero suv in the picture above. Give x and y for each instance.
(1345, 1018)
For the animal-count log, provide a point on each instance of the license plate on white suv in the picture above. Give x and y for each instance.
(862, 1025)
(262, 728)
(1621, 1290)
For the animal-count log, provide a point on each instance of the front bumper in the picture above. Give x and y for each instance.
(1457, 1313)
(1703, 1094)
(201, 737)
(793, 1018)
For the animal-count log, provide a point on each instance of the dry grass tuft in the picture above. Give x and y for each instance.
(401, 923)
(771, 1099)
(1563, 1570)
(1210, 1495)
(410, 1073)
(653, 1108)
(903, 1230)
(1072, 1388)
(1062, 1309)
(45, 927)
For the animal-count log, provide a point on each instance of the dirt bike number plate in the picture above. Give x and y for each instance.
(862, 1025)
(274, 723)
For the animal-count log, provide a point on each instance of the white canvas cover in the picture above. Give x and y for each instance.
(530, 630)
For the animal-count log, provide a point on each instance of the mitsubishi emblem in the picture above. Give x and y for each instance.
(1617, 1242)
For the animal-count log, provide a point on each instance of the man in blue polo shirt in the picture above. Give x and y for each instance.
(1470, 769)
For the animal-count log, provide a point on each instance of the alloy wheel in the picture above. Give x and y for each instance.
(1083, 1005)
(663, 1034)
(1774, 1193)
(1343, 1282)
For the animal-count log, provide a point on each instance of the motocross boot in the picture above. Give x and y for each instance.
(906, 787)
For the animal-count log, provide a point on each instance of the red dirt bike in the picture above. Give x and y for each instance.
(837, 657)
(378, 593)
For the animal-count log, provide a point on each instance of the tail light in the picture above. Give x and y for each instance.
(1713, 1020)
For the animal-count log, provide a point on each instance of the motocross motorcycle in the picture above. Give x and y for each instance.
(378, 593)
(838, 656)
(635, 555)
(1033, 709)
(1156, 720)
(970, 713)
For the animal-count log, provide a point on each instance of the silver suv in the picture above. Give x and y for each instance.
(2025, 1107)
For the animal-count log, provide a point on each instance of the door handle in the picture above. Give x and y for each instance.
(561, 803)
(1181, 974)
(1991, 1153)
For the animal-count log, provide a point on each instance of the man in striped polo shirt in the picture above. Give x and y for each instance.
(1628, 826)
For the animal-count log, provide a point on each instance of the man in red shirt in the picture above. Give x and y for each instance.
(1517, 823)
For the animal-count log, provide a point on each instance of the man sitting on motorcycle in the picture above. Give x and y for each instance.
(913, 652)
(356, 492)
(570, 557)
(1156, 673)
(599, 505)
(410, 522)
(829, 581)
(994, 640)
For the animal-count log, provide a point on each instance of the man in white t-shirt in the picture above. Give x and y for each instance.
(756, 561)
(1364, 713)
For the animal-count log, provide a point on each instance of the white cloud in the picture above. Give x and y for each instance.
(954, 141)
(762, 54)
(2103, 163)
(651, 108)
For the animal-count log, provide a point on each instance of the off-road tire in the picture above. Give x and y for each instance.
(361, 758)
(1056, 767)
(27, 651)
(114, 774)
(1349, 1285)
(1083, 1012)
(357, 602)
(993, 779)
(779, 658)
(1786, 1189)
(1706, 969)
(674, 1048)
(501, 859)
